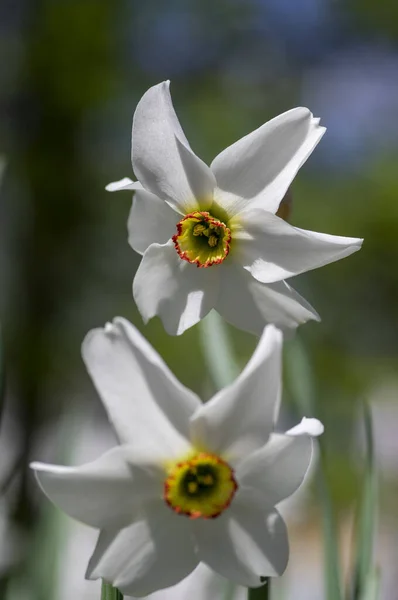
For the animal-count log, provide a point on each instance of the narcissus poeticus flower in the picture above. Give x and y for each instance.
(190, 483)
(221, 219)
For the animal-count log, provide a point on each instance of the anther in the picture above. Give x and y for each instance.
(213, 241)
(207, 480)
(199, 229)
(192, 487)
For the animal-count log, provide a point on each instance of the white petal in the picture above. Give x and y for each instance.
(180, 293)
(273, 250)
(250, 305)
(123, 184)
(103, 493)
(258, 169)
(149, 408)
(311, 427)
(151, 220)
(201, 584)
(274, 472)
(161, 156)
(151, 554)
(240, 418)
(244, 545)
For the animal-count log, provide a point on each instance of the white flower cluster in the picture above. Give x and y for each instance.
(188, 497)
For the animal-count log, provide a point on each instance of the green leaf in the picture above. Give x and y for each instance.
(2, 363)
(366, 519)
(302, 386)
(372, 585)
(110, 593)
(2, 376)
(331, 550)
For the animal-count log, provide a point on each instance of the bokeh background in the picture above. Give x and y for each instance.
(71, 74)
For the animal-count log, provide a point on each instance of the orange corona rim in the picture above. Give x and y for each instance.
(200, 487)
(202, 240)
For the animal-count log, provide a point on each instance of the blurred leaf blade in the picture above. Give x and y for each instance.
(331, 549)
(2, 375)
(372, 585)
(301, 382)
(2, 362)
(365, 577)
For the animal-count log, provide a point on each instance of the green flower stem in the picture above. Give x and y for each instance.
(261, 593)
(110, 593)
(217, 350)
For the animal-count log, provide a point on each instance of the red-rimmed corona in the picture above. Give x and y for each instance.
(201, 239)
(201, 486)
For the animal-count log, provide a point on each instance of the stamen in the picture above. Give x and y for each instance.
(192, 487)
(206, 480)
(213, 241)
(199, 229)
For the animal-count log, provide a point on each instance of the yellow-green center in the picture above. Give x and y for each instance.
(201, 486)
(202, 239)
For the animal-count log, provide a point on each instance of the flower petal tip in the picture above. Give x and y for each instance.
(316, 122)
(109, 329)
(35, 466)
(123, 184)
(311, 427)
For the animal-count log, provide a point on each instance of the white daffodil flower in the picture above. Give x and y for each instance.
(187, 215)
(190, 483)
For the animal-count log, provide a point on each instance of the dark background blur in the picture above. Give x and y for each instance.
(71, 73)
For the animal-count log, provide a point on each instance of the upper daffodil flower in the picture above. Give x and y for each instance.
(190, 483)
(187, 215)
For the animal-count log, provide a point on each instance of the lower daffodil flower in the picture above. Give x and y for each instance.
(190, 483)
(187, 215)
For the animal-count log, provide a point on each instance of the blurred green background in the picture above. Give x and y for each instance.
(70, 76)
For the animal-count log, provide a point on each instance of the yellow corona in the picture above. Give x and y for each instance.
(202, 239)
(201, 486)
